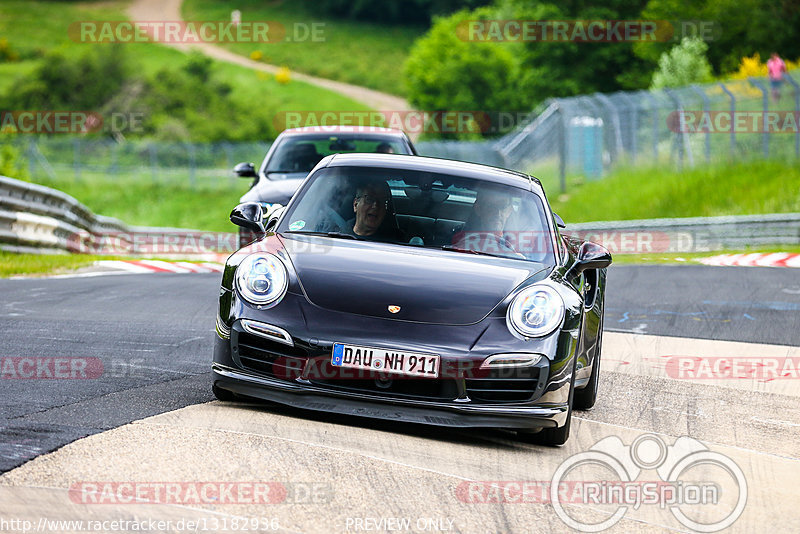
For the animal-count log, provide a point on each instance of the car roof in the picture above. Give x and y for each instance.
(338, 129)
(437, 165)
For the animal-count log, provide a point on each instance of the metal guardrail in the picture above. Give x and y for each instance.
(691, 234)
(39, 217)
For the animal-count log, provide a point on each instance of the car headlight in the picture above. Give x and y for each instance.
(261, 279)
(536, 311)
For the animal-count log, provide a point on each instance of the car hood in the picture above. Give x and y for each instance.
(428, 285)
(279, 189)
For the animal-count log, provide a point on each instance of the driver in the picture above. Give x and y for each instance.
(370, 206)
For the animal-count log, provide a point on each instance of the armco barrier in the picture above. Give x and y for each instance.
(35, 216)
(40, 218)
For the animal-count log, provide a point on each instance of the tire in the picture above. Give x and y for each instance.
(223, 394)
(586, 397)
(552, 437)
(557, 436)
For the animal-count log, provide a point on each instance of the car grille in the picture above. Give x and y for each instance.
(397, 387)
(505, 385)
(270, 358)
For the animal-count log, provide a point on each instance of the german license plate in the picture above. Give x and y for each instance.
(385, 360)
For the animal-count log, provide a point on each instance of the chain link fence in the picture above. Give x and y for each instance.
(590, 134)
(581, 137)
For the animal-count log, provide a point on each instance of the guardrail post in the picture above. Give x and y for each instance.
(733, 117)
(796, 114)
(706, 109)
(765, 103)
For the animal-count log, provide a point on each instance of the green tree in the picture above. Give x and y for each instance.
(446, 72)
(684, 64)
(735, 28)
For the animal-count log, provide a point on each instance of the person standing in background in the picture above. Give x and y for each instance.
(775, 68)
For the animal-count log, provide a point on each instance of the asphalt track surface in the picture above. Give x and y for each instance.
(153, 335)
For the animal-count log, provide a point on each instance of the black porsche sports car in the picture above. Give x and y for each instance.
(414, 289)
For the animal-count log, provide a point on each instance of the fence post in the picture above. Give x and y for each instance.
(733, 117)
(605, 101)
(76, 158)
(31, 153)
(681, 127)
(562, 149)
(192, 169)
(151, 149)
(796, 114)
(765, 104)
(706, 109)
(654, 101)
(634, 123)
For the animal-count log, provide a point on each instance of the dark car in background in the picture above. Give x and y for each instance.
(297, 150)
(414, 289)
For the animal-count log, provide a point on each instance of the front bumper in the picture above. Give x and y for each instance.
(546, 405)
(310, 397)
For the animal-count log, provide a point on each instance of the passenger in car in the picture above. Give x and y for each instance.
(483, 230)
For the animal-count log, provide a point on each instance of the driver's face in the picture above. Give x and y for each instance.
(494, 211)
(370, 209)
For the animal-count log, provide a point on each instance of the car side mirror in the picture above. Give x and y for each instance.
(245, 170)
(559, 221)
(248, 215)
(273, 215)
(590, 256)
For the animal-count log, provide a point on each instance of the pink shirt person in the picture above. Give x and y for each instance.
(776, 67)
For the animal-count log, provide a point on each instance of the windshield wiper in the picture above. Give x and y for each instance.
(451, 248)
(338, 235)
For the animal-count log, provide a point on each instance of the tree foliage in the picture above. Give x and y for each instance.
(392, 11)
(177, 103)
(684, 64)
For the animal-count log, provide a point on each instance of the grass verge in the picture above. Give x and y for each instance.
(33, 28)
(744, 188)
(679, 258)
(13, 264)
(362, 53)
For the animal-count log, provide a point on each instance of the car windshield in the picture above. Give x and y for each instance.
(300, 153)
(423, 209)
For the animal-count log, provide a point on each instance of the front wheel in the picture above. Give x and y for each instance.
(586, 397)
(548, 436)
(223, 394)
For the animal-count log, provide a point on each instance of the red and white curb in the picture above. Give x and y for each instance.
(776, 259)
(158, 266)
